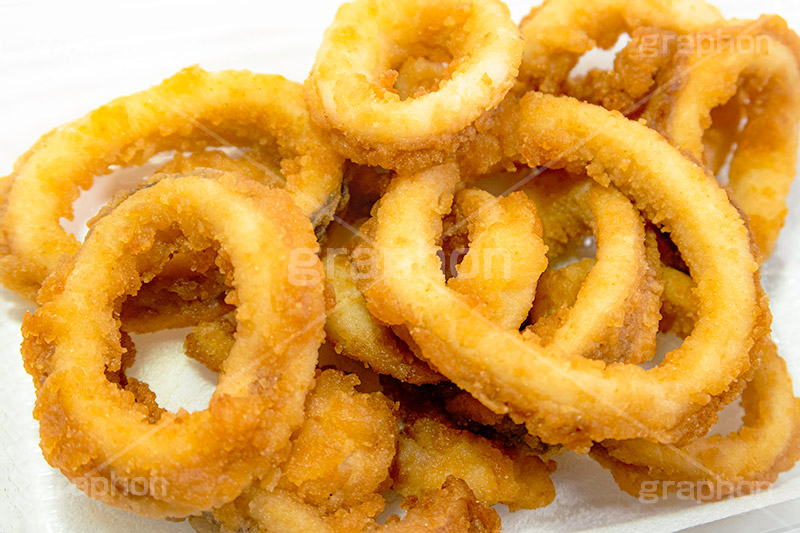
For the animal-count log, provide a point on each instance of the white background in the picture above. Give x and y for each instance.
(59, 60)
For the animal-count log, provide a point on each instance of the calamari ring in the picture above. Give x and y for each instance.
(499, 273)
(615, 315)
(350, 89)
(189, 111)
(715, 466)
(767, 71)
(508, 226)
(90, 428)
(192, 285)
(559, 32)
(625, 87)
(562, 398)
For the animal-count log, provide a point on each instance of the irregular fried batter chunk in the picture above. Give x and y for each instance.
(430, 450)
(451, 509)
(337, 469)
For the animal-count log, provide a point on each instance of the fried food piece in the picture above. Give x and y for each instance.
(573, 400)
(91, 428)
(353, 331)
(558, 32)
(341, 456)
(209, 343)
(190, 111)
(352, 93)
(627, 86)
(505, 257)
(614, 317)
(498, 273)
(446, 432)
(451, 509)
(190, 288)
(709, 70)
(715, 466)
(430, 450)
(338, 466)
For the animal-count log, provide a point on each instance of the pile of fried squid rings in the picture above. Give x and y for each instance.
(420, 205)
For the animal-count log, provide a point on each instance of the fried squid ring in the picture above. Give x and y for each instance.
(506, 254)
(189, 289)
(189, 111)
(92, 429)
(558, 32)
(499, 273)
(757, 62)
(351, 92)
(715, 466)
(615, 315)
(562, 398)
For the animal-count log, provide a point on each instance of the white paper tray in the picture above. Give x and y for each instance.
(60, 60)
